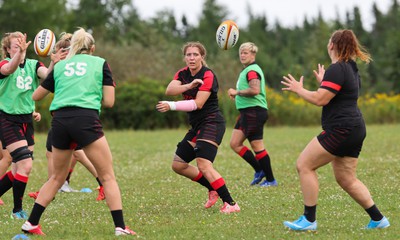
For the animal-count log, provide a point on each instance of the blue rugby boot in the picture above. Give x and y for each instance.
(258, 176)
(383, 223)
(301, 224)
(269, 184)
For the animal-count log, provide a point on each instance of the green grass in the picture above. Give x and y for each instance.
(159, 204)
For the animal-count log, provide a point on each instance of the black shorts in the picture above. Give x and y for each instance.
(49, 143)
(11, 132)
(343, 141)
(70, 132)
(211, 128)
(251, 121)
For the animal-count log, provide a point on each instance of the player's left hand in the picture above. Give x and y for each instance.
(292, 84)
(319, 74)
(162, 106)
(36, 116)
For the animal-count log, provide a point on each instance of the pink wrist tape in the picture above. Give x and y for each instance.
(184, 106)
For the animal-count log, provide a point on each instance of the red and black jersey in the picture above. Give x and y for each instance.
(342, 79)
(210, 84)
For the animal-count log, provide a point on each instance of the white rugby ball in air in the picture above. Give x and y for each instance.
(227, 34)
(44, 42)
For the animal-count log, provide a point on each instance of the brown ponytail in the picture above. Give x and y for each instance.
(347, 46)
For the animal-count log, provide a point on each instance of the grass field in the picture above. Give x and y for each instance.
(159, 204)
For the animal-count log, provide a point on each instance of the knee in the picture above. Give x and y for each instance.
(302, 168)
(345, 181)
(178, 166)
(233, 145)
(25, 169)
(204, 166)
(106, 177)
(58, 179)
(21, 153)
(175, 167)
(299, 167)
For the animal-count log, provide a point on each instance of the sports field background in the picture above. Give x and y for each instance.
(159, 204)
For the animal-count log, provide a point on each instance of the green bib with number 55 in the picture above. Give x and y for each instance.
(78, 82)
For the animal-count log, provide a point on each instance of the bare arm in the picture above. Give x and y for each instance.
(175, 87)
(201, 98)
(108, 96)
(321, 97)
(19, 56)
(55, 58)
(253, 90)
(40, 93)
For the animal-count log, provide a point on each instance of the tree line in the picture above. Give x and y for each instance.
(139, 48)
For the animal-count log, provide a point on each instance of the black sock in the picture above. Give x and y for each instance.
(222, 190)
(98, 181)
(6, 182)
(248, 156)
(69, 175)
(118, 218)
(265, 163)
(19, 186)
(36, 214)
(374, 213)
(203, 181)
(310, 212)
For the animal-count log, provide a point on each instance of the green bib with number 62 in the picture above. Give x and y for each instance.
(17, 88)
(78, 82)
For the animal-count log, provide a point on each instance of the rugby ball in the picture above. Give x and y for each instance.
(227, 34)
(44, 42)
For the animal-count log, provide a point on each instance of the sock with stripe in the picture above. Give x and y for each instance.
(222, 190)
(203, 181)
(265, 163)
(6, 182)
(248, 156)
(19, 186)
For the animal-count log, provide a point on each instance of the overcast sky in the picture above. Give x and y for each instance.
(287, 12)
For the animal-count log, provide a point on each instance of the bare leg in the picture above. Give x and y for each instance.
(313, 157)
(61, 161)
(182, 168)
(49, 156)
(237, 140)
(5, 161)
(99, 154)
(80, 156)
(345, 173)
(207, 168)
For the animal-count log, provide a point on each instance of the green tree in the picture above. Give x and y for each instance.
(212, 15)
(21, 15)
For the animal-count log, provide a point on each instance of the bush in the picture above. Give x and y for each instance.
(380, 108)
(135, 108)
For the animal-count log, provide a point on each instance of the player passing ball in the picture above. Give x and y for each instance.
(199, 87)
